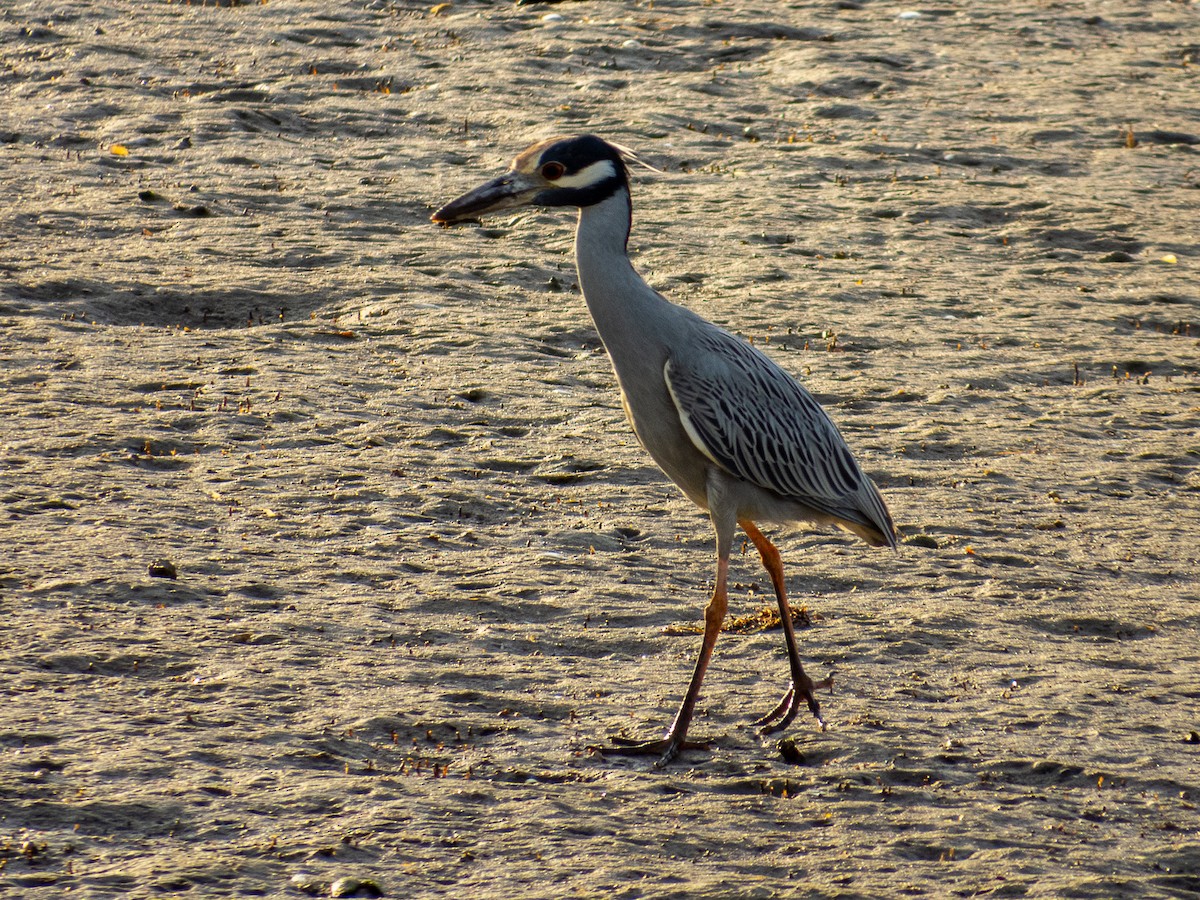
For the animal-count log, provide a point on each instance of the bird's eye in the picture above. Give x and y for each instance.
(553, 171)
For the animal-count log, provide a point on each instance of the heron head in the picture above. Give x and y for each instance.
(562, 171)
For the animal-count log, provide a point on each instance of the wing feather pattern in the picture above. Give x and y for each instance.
(754, 420)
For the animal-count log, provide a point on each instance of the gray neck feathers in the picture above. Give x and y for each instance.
(625, 309)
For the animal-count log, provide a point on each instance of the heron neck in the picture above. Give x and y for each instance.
(617, 296)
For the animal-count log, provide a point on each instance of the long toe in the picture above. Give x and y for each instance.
(780, 710)
(806, 691)
(785, 712)
(785, 717)
(666, 749)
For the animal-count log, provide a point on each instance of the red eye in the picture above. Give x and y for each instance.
(553, 171)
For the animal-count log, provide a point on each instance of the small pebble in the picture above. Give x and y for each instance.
(790, 752)
(355, 887)
(163, 568)
(308, 884)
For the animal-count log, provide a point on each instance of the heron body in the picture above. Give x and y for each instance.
(738, 435)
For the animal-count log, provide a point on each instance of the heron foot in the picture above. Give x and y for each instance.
(666, 749)
(785, 711)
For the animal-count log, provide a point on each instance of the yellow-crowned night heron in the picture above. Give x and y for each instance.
(734, 431)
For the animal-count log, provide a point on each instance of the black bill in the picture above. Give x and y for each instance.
(506, 192)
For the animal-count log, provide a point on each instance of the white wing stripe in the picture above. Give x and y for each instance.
(684, 418)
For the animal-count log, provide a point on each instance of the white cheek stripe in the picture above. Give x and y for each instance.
(586, 177)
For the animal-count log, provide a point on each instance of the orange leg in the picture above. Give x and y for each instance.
(802, 686)
(676, 737)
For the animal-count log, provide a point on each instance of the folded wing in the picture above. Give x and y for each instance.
(750, 417)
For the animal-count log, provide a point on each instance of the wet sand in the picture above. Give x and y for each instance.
(422, 566)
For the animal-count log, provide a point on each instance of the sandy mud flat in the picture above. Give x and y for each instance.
(422, 566)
